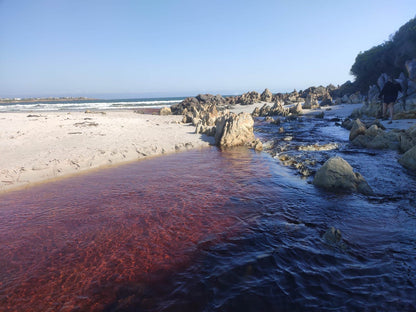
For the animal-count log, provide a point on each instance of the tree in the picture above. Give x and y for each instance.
(388, 57)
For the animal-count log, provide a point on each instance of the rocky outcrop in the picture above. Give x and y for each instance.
(206, 120)
(266, 96)
(311, 102)
(355, 98)
(296, 109)
(192, 104)
(266, 110)
(164, 111)
(408, 159)
(236, 130)
(357, 128)
(374, 136)
(337, 174)
(326, 100)
(408, 139)
(411, 69)
(248, 98)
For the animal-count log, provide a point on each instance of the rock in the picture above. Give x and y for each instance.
(408, 139)
(296, 109)
(234, 130)
(264, 111)
(355, 98)
(357, 128)
(310, 102)
(266, 96)
(381, 81)
(326, 100)
(256, 145)
(197, 104)
(248, 98)
(337, 174)
(411, 68)
(408, 159)
(376, 138)
(164, 111)
(332, 235)
(256, 112)
(373, 94)
(347, 124)
(278, 109)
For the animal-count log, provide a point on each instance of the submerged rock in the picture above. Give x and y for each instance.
(332, 235)
(337, 174)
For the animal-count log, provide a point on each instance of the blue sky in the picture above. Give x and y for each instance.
(126, 48)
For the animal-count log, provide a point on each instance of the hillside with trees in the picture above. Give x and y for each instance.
(388, 57)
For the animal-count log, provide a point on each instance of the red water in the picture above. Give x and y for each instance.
(69, 245)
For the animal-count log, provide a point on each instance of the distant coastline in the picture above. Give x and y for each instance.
(35, 100)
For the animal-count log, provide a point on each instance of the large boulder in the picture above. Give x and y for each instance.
(408, 159)
(266, 96)
(234, 130)
(337, 174)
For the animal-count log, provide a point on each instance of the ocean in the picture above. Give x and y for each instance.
(96, 104)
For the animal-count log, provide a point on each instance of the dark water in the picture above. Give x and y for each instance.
(213, 230)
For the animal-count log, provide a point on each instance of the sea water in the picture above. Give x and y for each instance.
(80, 105)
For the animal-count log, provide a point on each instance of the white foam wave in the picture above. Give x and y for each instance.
(64, 106)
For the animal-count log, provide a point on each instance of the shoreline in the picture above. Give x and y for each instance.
(47, 146)
(44, 147)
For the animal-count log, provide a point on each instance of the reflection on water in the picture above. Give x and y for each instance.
(205, 230)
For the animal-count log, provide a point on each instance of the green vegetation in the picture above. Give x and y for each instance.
(388, 57)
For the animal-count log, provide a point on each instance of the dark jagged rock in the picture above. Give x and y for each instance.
(192, 104)
(248, 98)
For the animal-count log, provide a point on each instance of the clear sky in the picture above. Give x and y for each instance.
(136, 48)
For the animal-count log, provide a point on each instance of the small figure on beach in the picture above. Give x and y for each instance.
(389, 95)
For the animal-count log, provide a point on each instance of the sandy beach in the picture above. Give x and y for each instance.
(42, 146)
(38, 147)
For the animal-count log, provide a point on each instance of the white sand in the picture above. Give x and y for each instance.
(56, 144)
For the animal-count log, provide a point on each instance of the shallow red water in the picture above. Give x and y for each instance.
(70, 245)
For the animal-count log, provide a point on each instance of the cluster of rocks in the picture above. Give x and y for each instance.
(373, 135)
(404, 108)
(266, 110)
(209, 115)
(198, 103)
